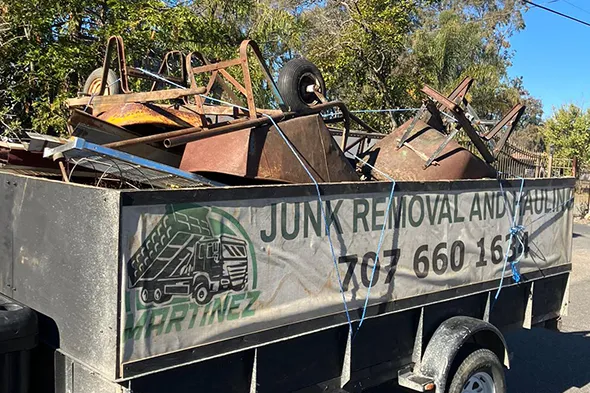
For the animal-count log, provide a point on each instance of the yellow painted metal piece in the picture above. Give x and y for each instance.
(149, 114)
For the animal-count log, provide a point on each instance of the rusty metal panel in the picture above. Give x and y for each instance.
(408, 162)
(261, 153)
(99, 131)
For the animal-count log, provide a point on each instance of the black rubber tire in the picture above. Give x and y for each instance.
(481, 360)
(114, 86)
(202, 283)
(293, 78)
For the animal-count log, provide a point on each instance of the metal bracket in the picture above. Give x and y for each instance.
(435, 155)
(410, 128)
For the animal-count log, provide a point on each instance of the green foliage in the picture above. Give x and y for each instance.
(568, 130)
(373, 53)
(48, 48)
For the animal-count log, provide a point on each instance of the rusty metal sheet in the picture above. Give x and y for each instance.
(149, 117)
(407, 163)
(98, 131)
(261, 153)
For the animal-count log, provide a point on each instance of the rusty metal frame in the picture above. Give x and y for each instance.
(220, 75)
(511, 118)
(459, 115)
(115, 43)
(454, 104)
(164, 66)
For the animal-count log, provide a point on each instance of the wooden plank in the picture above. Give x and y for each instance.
(120, 99)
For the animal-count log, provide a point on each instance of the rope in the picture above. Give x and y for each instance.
(324, 216)
(392, 110)
(380, 244)
(515, 231)
(161, 78)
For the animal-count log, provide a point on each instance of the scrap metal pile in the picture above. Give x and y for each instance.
(181, 134)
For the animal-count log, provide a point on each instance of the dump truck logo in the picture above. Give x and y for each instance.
(193, 251)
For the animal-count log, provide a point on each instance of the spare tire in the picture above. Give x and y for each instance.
(92, 84)
(295, 80)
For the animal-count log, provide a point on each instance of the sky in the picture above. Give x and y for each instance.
(552, 54)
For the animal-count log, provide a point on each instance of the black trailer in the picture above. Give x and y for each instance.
(287, 286)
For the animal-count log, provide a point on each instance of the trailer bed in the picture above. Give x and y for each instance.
(76, 254)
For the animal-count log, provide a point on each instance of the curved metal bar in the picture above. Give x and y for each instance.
(116, 41)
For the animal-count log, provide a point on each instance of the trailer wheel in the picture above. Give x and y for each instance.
(297, 79)
(480, 372)
(92, 85)
(201, 293)
(146, 295)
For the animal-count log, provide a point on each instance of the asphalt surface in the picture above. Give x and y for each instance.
(545, 361)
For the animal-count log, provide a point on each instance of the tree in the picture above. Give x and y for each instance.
(462, 38)
(48, 48)
(374, 54)
(358, 44)
(568, 130)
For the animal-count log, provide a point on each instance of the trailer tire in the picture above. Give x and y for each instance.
(92, 84)
(481, 370)
(294, 78)
(201, 291)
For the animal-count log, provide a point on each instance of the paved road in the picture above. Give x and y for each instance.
(553, 362)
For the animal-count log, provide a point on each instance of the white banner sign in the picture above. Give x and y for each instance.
(198, 273)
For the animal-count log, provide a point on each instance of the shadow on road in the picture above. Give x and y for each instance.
(543, 361)
(548, 362)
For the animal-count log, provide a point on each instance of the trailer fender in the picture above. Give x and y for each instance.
(450, 337)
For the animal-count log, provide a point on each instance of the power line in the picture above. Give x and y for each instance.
(557, 13)
(575, 6)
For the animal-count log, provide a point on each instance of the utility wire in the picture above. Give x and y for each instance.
(575, 6)
(557, 13)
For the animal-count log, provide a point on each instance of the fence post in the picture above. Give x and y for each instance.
(574, 166)
(550, 164)
(538, 166)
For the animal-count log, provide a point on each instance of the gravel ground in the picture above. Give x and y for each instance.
(553, 362)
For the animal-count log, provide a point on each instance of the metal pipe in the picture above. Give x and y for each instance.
(194, 136)
(152, 138)
(165, 135)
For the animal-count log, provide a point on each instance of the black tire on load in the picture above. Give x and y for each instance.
(294, 79)
(92, 84)
(480, 371)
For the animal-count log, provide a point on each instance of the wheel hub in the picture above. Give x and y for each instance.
(480, 382)
(95, 88)
(307, 85)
